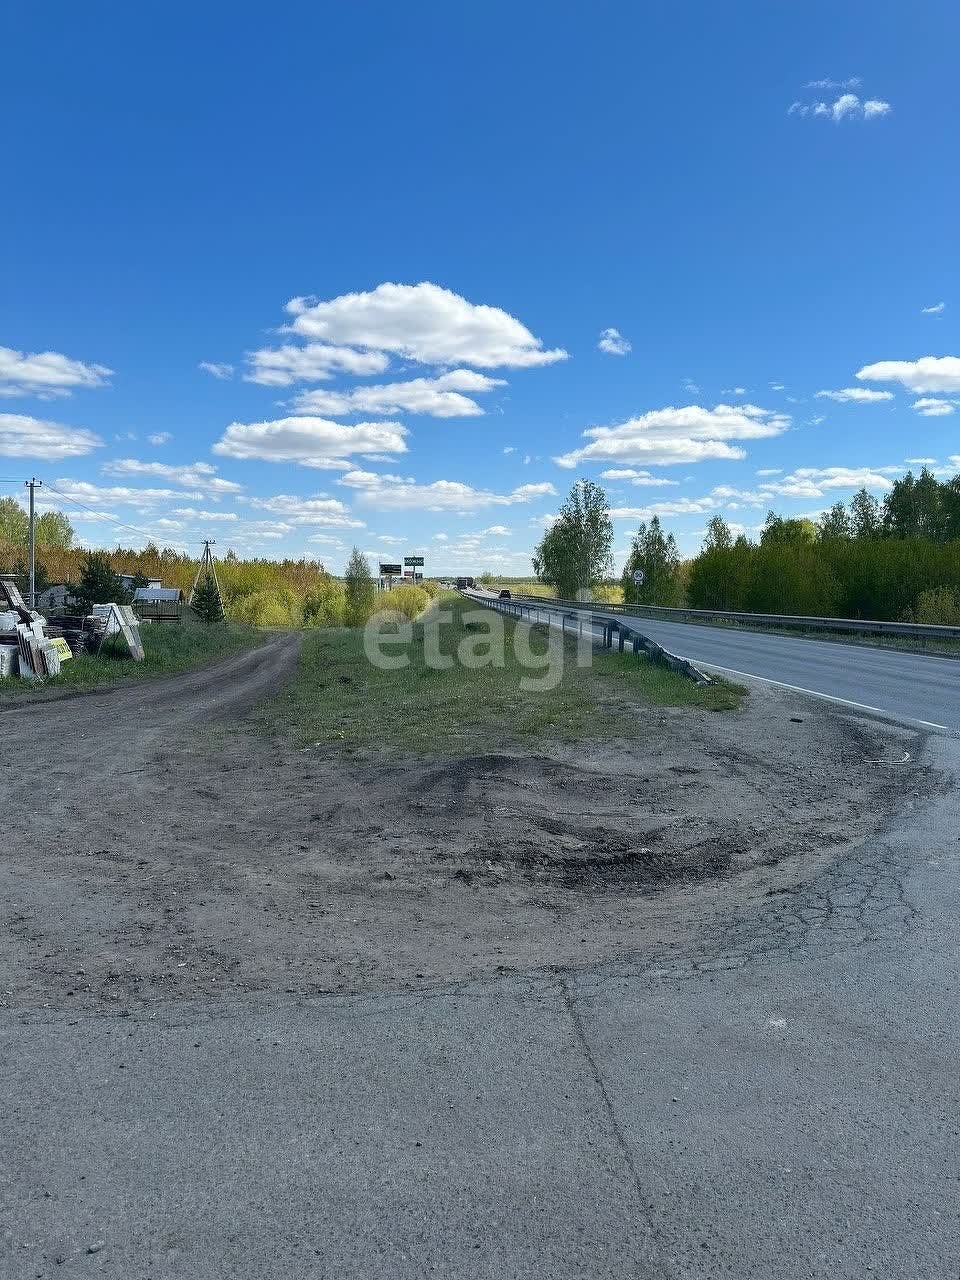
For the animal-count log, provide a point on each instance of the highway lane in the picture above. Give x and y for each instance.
(903, 685)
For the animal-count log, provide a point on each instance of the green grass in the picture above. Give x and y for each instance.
(339, 697)
(168, 649)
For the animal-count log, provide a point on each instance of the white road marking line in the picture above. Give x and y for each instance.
(815, 693)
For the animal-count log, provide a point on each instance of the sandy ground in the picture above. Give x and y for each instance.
(156, 847)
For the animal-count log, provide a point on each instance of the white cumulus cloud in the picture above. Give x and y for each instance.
(109, 496)
(930, 407)
(394, 493)
(846, 106)
(421, 322)
(318, 510)
(46, 374)
(614, 343)
(193, 475)
(855, 395)
(314, 362)
(24, 437)
(313, 442)
(193, 513)
(642, 478)
(937, 309)
(665, 437)
(929, 373)
(160, 437)
(221, 371)
(810, 482)
(440, 397)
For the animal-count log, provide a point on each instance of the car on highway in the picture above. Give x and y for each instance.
(504, 595)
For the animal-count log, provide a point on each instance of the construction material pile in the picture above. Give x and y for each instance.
(32, 646)
(29, 647)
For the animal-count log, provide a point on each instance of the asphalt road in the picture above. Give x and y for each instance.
(916, 687)
(781, 1100)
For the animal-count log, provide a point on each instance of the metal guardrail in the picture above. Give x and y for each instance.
(610, 627)
(856, 626)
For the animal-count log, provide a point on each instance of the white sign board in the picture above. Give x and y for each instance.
(638, 577)
(121, 618)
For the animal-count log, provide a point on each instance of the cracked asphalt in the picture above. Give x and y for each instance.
(780, 1099)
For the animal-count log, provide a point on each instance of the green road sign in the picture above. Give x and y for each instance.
(414, 561)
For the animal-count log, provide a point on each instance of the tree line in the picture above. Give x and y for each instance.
(894, 559)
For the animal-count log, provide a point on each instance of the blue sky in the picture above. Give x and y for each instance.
(302, 276)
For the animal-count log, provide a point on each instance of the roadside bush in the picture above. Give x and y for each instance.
(430, 587)
(939, 607)
(277, 608)
(326, 604)
(408, 600)
(608, 594)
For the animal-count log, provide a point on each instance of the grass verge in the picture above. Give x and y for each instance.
(339, 697)
(168, 649)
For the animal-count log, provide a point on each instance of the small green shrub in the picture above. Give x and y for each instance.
(326, 604)
(277, 608)
(408, 600)
(938, 607)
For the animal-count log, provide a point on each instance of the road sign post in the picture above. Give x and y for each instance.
(414, 563)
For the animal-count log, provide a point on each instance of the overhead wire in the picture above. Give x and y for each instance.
(115, 520)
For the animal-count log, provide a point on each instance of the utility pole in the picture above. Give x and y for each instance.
(206, 567)
(32, 484)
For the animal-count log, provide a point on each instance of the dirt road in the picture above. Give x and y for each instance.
(158, 847)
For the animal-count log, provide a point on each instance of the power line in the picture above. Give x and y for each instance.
(151, 536)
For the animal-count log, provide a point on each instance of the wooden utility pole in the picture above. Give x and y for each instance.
(32, 484)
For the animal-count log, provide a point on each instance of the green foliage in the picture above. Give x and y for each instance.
(865, 518)
(54, 530)
(608, 593)
(340, 698)
(718, 536)
(898, 559)
(655, 553)
(835, 523)
(206, 603)
(326, 604)
(407, 599)
(361, 590)
(14, 523)
(922, 507)
(98, 583)
(278, 608)
(781, 531)
(575, 552)
(938, 607)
